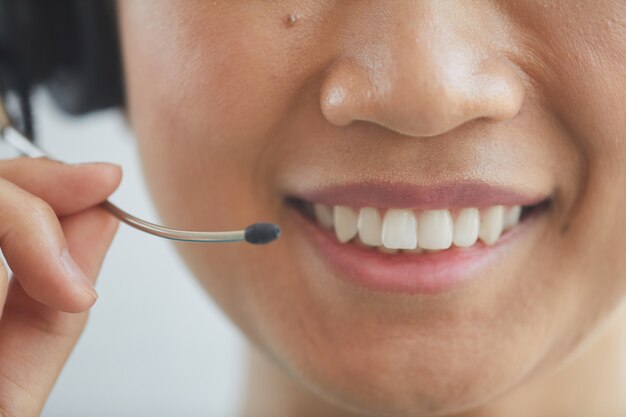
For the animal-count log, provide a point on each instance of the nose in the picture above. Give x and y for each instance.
(420, 72)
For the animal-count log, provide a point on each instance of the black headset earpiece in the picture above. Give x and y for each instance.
(69, 46)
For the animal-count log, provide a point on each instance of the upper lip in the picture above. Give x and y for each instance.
(448, 195)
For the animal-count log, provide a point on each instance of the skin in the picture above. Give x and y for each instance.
(234, 108)
(54, 238)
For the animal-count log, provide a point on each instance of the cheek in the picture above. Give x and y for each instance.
(581, 74)
(200, 79)
(589, 96)
(202, 134)
(202, 131)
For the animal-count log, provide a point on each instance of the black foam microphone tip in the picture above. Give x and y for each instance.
(260, 233)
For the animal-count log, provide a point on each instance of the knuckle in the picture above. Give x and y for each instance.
(4, 412)
(28, 169)
(19, 166)
(14, 164)
(12, 387)
(39, 209)
(48, 321)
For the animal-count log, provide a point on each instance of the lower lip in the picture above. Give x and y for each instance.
(423, 273)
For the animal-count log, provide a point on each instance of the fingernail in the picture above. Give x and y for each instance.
(75, 274)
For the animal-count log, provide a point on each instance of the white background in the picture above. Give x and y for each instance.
(155, 345)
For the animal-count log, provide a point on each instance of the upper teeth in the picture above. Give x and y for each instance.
(412, 230)
(395, 226)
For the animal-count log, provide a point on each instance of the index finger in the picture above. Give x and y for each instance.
(35, 248)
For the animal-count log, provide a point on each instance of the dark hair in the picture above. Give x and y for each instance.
(70, 47)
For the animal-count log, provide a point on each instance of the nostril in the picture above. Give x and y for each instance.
(345, 94)
(500, 88)
(333, 101)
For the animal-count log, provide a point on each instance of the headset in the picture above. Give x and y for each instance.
(70, 47)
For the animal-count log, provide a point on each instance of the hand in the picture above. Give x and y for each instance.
(54, 237)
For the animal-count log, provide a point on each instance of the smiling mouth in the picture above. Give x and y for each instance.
(410, 231)
(426, 228)
(403, 238)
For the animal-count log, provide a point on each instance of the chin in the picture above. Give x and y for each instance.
(408, 376)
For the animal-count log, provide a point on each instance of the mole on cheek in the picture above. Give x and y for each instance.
(292, 19)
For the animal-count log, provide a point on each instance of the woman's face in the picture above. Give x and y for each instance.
(250, 111)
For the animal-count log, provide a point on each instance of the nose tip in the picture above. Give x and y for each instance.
(418, 97)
